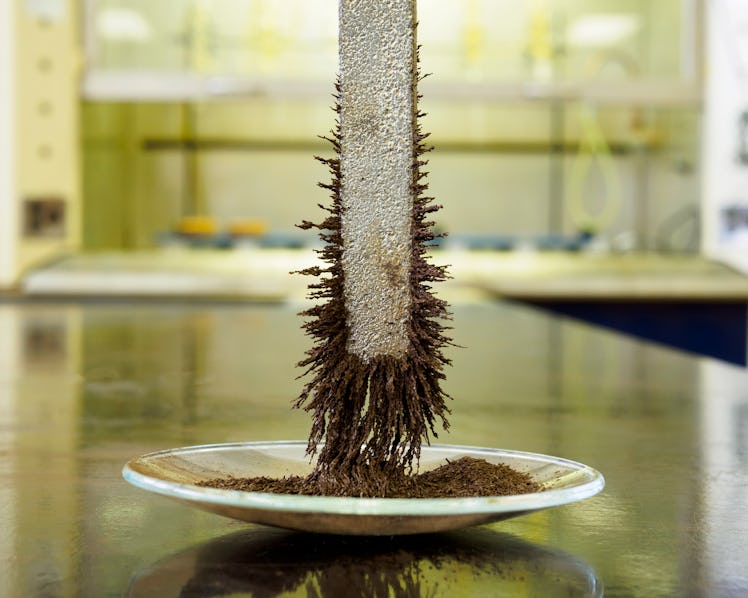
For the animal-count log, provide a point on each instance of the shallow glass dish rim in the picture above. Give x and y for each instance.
(593, 484)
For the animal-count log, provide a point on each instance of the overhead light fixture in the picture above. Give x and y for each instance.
(602, 30)
(122, 24)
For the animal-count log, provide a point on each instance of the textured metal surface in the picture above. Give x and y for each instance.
(377, 66)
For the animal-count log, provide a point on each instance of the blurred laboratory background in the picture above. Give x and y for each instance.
(589, 151)
(591, 157)
(549, 120)
(139, 126)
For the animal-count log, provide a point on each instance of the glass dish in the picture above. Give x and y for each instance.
(174, 473)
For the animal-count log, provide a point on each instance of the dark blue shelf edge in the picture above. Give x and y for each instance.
(717, 329)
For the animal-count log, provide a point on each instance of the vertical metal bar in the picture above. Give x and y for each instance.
(91, 54)
(691, 47)
(556, 167)
(642, 157)
(557, 131)
(377, 117)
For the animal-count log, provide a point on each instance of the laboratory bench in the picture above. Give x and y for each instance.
(252, 272)
(684, 301)
(86, 386)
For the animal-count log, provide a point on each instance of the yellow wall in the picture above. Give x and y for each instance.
(7, 149)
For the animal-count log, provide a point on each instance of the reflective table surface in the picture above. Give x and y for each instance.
(84, 387)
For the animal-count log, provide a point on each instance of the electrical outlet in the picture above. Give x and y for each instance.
(44, 217)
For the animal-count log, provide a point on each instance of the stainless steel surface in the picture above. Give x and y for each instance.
(85, 387)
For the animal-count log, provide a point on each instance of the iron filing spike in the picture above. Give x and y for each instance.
(377, 362)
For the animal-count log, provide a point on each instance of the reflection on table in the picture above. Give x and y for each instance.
(264, 562)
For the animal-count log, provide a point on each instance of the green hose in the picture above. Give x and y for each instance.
(593, 147)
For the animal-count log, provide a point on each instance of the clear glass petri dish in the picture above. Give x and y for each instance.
(174, 473)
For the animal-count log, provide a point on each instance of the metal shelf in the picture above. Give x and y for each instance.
(184, 86)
